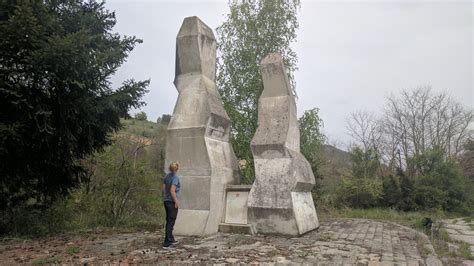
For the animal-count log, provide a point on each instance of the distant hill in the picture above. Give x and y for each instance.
(336, 164)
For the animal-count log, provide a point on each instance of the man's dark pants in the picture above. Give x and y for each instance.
(171, 213)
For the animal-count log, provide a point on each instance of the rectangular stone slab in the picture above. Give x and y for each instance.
(236, 207)
(305, 212)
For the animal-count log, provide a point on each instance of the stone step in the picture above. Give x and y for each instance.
(237, 228)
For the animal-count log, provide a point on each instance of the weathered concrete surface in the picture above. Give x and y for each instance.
(461, 229)
(280, 201)
(198, 133)
(337, 242)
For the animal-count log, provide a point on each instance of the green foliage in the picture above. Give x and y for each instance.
(72, 250)
(407, 192)
(359, 193)
(252, 30)
(439, 182)
(164, 119)
(33, 220)
(428, 197)
(411, 219)
(123, 189)
(141, 116)
(312, 139)
(365, 164)
(432, 182)
(467, 160)
(363, 189)
(391, 191)
(465, 251)
(57, 104)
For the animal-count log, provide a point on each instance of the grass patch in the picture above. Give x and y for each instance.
(468, 219)
(47, 260)
(440, 241)
(471, 226)
(420, 245)
(410, 219)
(72, 250)
(465, 251)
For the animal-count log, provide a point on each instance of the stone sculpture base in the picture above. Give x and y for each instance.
(287, 212)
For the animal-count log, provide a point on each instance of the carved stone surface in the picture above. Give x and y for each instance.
(280, 201)
(198, 133)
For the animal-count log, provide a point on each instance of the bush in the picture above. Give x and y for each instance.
(141, 116)
(359, 193)
(391, 192)
(123, 191)
(429, 198)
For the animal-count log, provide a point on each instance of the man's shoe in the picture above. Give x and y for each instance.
(170, 246)
(175, 242)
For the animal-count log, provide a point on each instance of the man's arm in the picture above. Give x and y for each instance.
(173, 196)
(163, 188)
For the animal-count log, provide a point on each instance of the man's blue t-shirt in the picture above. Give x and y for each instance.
(171, 179)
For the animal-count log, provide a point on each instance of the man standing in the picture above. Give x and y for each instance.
(171, 187)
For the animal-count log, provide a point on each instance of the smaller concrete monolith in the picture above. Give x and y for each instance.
(280, 201)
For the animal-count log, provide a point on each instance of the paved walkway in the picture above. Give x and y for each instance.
(461, 229)
(337, 242)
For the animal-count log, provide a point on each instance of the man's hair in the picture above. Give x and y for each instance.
(174, 167)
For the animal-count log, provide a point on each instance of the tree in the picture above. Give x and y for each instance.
(413, 122)
(420, 120)
(252, 30)
(467, 160)
(164, 119)
(123, 185)
(141, 116)
(364, 128)
(365, 163)
(57, 103)
(439, 183)
(312, 138)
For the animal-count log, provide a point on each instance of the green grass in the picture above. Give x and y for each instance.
(410, 219)
(468, 219)
(72, 250)
(47, 260)
(440, 242)
(465, 251)
(471, 226)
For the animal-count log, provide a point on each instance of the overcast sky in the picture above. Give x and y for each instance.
(351, 54)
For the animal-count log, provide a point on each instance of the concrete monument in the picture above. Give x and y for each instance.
(198, 133)
(280, 201)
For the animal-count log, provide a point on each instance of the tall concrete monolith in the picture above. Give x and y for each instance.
(198, 133)
(280, 201)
